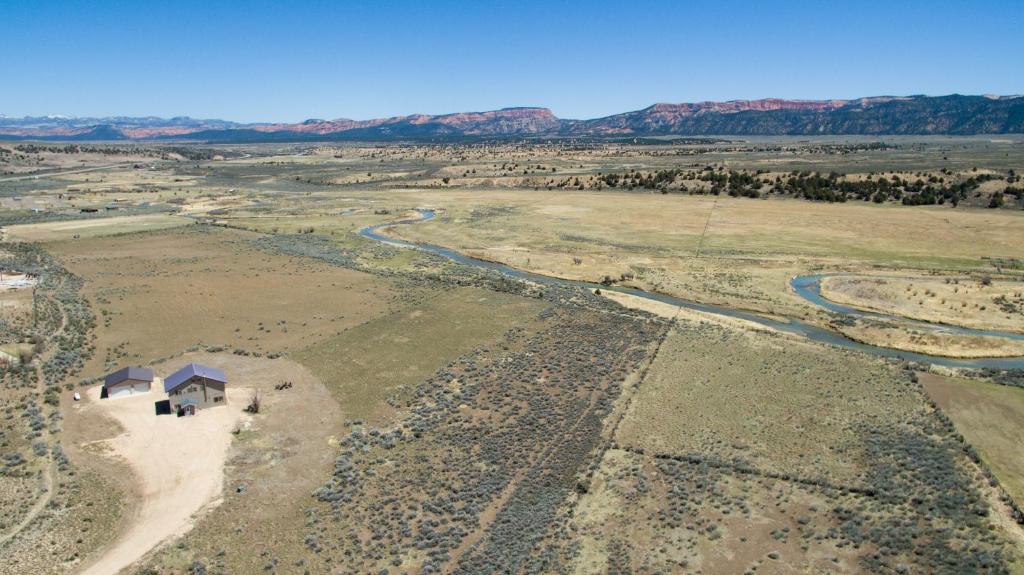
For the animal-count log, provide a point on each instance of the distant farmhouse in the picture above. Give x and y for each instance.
(195, 387)
(128, 381)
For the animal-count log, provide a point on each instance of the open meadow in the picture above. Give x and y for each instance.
(597, 361)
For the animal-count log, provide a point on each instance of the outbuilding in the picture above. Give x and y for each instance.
(195, 387)
(128, 381)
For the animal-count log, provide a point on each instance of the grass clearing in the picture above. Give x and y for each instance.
(91, 228)
(991, 417)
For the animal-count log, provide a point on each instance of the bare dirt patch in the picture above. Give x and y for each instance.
(273, 466)
(178, 463)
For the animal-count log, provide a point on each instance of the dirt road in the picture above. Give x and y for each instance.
(63, 172)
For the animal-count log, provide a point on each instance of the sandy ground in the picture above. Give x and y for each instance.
(933, 343)
(14, 281)
(670, 311)
(178, 463)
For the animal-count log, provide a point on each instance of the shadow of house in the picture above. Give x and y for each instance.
(162, 407)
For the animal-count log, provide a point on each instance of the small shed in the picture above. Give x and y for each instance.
(195, 387)
(128, 381)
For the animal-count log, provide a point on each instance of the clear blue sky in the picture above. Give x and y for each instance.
(257, 61)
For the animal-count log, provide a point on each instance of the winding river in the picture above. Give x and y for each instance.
(808, 287)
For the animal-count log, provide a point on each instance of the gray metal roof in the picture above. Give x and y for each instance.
(193, 370)
(130, 372)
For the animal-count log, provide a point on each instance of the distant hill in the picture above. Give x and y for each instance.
(955, 114)
(882, 115)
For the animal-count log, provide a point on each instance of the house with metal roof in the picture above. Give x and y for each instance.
(128, 381)
(195, 387)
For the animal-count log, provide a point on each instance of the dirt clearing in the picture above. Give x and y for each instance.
(273, 467)
(178, 463)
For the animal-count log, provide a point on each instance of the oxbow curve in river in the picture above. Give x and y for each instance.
(806, 286)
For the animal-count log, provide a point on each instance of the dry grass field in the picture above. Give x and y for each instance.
(978, 302)
(742, 452)
(897, 335)
(75, 229)
(737, 252)
(713, 403)
(368, 366)
(647, 516)
(162, 292)
(991, 417)
(725, 250)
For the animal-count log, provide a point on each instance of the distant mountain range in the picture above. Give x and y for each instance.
(882, 115)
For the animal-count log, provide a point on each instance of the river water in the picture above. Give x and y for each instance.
(808, 287)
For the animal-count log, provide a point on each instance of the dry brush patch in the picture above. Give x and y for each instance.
(889, 478)
(495, 444)
(83, 514)
(52, 528)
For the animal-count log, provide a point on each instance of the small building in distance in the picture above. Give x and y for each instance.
(195, 387)
(128, 381)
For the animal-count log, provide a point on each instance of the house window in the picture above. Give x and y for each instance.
(218, 399)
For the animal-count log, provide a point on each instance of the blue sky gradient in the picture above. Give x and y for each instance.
(265, 61)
